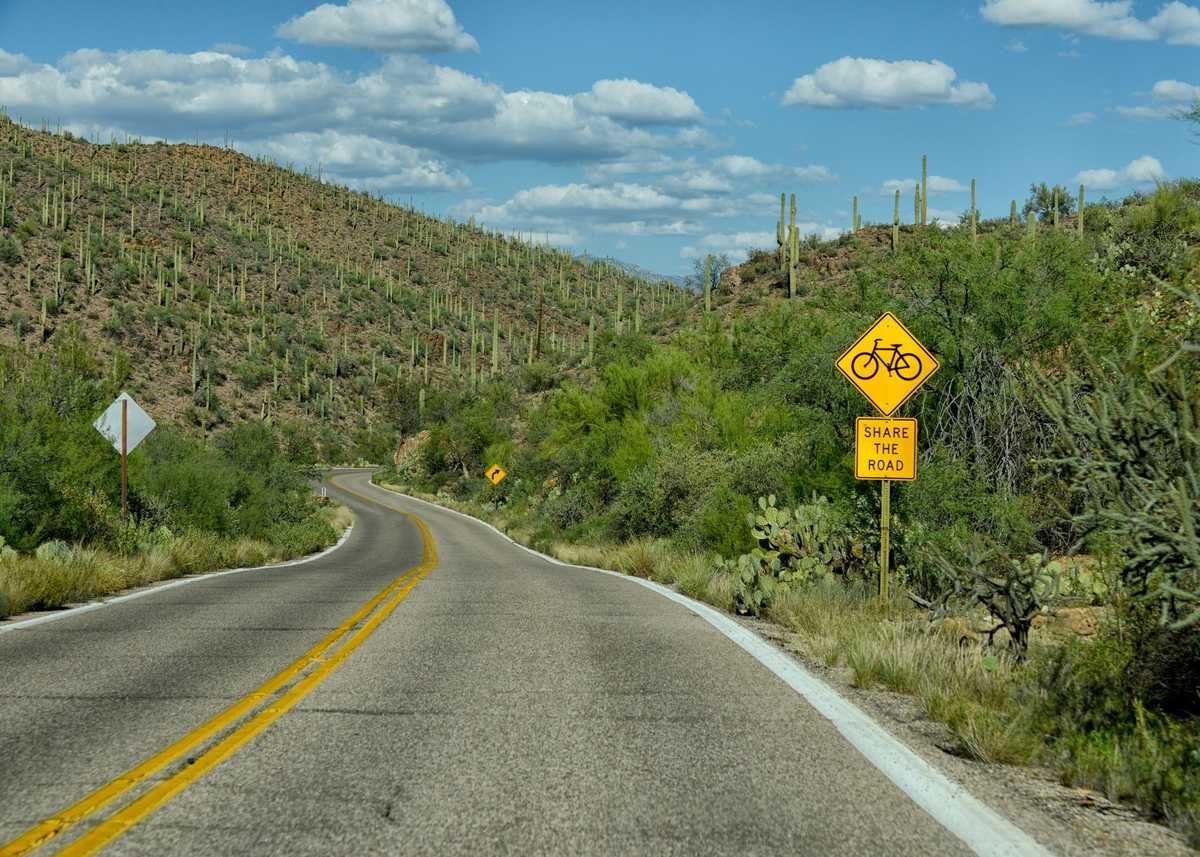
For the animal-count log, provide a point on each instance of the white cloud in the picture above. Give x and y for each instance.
(406, 99)
(1111, 19)
(582, 199)
(426, 26)
(1171, 95)
(1175, 90)
(1078, 119)
(642, 227)
(538, 126)
(365, 162)
(745, 167)
(943, 217)
(1144, 112)
(642, 163)
(14, 64)
(1016, 46)
(1141, 172)
(697, 182)
(935, 186)
(856, 82)
(637, 103)
(1176, 22)
(232, 48)
(737, 245)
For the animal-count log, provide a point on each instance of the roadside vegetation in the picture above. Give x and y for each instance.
(195, 506)
(1058, 475)
(240, 289)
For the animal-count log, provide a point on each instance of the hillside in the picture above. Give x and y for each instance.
(219, 287)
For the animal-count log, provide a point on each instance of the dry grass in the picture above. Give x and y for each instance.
(29, 583)
(977, 696)
(340, 518)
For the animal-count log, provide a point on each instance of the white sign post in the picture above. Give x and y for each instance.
(125, 425)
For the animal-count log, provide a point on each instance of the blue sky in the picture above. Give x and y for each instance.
(655, 132)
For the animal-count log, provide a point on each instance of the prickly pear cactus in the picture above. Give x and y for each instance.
(795, 547)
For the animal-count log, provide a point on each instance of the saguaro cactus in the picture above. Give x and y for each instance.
(896, 222)
(854, 215)
(780, 236)
(924, 190)
(496, 343)
(974, 214)
(1079, 218)
(708, 261)
(793, 259)
(1012, 213)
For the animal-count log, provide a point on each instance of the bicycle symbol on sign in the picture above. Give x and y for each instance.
(904, 364)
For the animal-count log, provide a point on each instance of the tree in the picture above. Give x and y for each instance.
(1192, 115)
(1041, 201)
(719, 263)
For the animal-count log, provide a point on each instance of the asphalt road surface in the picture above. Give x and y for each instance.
(498, 704)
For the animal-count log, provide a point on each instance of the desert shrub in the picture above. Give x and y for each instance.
(10, 250)
(1117, 710)
(55, 550)
(536, 377)
(717, 523)
(566, 508)
(253, 373)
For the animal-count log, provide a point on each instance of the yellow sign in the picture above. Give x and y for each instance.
(885, 448)
(495, 474)
(887, 364)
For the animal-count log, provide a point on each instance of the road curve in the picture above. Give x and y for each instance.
(505, 705)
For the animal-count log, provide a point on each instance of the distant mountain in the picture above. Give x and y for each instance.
(632, 269)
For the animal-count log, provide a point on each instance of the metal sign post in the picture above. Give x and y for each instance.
(885, 536)
(885, 448)
(887, 364)
(124, 460)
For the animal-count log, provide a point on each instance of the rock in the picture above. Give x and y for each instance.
(1080, 621)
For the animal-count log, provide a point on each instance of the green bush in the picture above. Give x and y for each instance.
(10, 250)
(1118, 709)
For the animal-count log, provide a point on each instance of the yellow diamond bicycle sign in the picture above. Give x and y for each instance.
(887, 364)
(495, 474)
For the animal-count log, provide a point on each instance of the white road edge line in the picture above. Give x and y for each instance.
(208, 575)
(981, 828)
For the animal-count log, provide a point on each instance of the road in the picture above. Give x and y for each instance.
(493, 703)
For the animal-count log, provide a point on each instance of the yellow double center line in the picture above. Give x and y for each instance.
(119, 822)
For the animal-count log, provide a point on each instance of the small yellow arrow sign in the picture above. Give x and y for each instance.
(495, 474)
(887, 364)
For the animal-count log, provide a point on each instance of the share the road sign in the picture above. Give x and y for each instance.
(887, 364)
(495, 474)
(885, 448)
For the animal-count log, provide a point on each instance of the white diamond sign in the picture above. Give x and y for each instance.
(139, 424)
